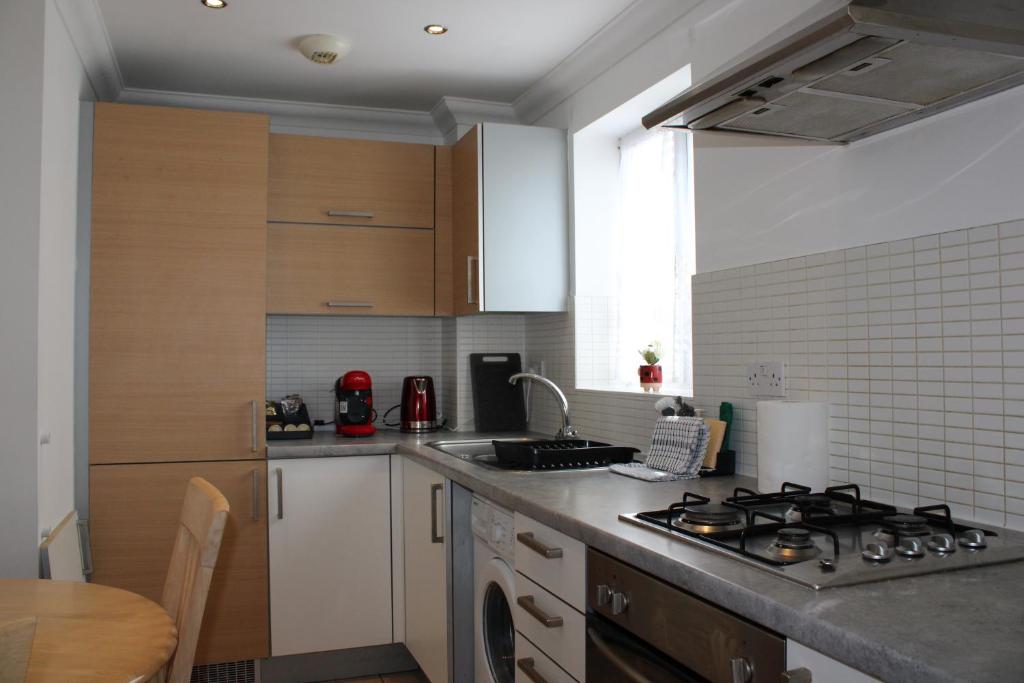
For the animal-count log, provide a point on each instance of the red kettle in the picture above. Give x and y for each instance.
(419, 406)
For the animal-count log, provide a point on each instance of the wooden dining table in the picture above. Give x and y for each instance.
(88, 632)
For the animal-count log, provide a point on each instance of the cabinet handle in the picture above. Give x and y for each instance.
(469, 279)
(434, 536)
(527, 667)
(85, 542)
(527, 603)
(350, 214)
(280, 492)
(801, 675)
(255, 495)
(546, 551)
(348, 304)
(255, 426)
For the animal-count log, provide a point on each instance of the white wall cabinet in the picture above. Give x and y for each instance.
(330, 553)
(511, 218)
(426, 543)
(823, 669)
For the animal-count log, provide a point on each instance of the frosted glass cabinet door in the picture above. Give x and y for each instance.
(330, 553)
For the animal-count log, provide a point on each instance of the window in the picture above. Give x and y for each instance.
(649, 240)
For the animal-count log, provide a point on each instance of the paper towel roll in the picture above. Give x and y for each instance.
(792, 444)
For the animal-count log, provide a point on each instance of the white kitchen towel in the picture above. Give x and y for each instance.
(677, 451)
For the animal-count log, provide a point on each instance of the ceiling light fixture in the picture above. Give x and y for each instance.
(436, 29)
(214, 4)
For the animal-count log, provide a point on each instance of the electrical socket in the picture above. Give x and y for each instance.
(767, 379)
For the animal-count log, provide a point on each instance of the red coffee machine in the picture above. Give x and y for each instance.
(353, 405)
(419, 407)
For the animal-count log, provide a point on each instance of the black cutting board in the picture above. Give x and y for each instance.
(497, 405)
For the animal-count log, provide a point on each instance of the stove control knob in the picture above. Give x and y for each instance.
(620, 603)
(942, 544)
(910, 546)
(604, 595)
(973, 539)
(877, 552)
(742, 671)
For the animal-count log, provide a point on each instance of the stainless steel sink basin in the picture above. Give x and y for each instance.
(476, 451)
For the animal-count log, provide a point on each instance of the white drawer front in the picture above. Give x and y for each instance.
(530, 658)
(564, 643)
(565, 574)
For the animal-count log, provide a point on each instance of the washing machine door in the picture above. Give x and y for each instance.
(495, 631)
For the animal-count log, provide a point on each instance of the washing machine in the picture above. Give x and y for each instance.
(494, 593)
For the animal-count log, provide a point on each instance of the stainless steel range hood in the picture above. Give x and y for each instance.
(869, 67)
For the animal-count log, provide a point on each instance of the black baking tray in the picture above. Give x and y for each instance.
(559, 454)
(725, 466)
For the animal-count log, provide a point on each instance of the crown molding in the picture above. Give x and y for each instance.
(88, 33)
(629, 30)
(306, 118)
(453, 115)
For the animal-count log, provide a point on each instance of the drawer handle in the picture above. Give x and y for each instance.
(348, 304)
(469, 279)
(527, 603)
(350, 214)
(526, 665)
(546, 551)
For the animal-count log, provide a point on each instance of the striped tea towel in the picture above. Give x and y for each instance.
(677, 451)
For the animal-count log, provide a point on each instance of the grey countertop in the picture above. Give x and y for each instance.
(949, 627)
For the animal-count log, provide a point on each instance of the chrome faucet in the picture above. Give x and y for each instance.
(567, 431)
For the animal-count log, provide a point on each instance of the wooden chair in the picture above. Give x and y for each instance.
(15, 649)
(203, 517)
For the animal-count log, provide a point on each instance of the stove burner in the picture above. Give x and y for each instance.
(793, 544)
(808, 505)
(900, 526)
(708, 517)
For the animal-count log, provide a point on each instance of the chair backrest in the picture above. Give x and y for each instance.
(203, 517)
(15, 649)
(62, 551)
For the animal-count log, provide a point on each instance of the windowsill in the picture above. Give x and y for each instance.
(665, 391)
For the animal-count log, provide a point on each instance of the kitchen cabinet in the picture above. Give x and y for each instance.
(133, 519)
(177, 318)
(351, 182)
(330, 553)
(426, 585)
(510, 216)
(821, 667)
(340, 270)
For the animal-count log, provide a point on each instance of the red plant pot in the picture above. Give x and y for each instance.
(650, 377)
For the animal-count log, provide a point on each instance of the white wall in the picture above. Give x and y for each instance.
(21, 81)
(64, 86)
(763, 200)
(42, 79)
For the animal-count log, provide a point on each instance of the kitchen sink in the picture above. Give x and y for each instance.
(477, 451)
(535, 455)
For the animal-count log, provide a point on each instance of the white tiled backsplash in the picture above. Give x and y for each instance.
(918, 347)
(306, 354)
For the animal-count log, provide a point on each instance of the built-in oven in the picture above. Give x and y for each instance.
(643, 630)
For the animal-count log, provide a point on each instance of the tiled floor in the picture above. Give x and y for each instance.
(410, 677)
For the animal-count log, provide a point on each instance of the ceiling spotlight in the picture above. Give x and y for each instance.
(214, 4)
(436, 29)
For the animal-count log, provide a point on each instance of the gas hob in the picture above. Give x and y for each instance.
(828, 539)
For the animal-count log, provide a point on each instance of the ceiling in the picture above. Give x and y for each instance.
(493, 50)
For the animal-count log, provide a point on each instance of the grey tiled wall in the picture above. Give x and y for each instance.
(918, 347)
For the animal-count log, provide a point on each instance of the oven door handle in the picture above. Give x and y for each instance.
(608, 652)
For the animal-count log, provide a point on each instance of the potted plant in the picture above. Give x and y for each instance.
(650, 374)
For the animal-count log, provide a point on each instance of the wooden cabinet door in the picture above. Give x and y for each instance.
(466, 223)
(178, 310)
(336, 270)
(338, 511)
(426, 569)
(133, 518)
(443, 231)
(351, 182)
